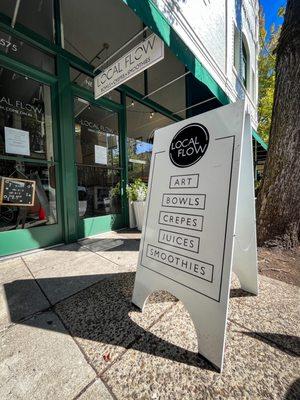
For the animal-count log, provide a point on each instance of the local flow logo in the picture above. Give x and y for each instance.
(189, 145)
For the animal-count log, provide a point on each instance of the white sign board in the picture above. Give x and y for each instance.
(198, 221)
(16, 141)
(144, 55)
(100, 155)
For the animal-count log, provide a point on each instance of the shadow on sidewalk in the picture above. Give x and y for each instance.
(101, 244)
(104, 313)
(278, 340)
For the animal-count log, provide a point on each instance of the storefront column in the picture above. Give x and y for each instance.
(67, 152)
(124, 159)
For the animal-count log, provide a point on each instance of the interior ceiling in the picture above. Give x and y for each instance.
(87, 28)
(34, 14)
(16, 87)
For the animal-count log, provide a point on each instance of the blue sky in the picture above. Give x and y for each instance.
(270, 8)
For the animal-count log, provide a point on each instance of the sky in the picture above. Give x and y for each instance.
(270, 8)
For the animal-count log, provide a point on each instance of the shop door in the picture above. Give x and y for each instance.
(99, 170)
(30, 214)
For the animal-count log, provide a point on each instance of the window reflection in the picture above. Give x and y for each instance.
(29, 54)
(142, 122)
(98, 191)
(43, 211)
(139, 157)
(98, 160)
(26, 144)
(25, 106)
(36, 15)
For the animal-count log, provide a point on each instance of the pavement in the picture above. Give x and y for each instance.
(68, 330)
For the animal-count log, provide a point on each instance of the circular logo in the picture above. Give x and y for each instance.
(189, 145)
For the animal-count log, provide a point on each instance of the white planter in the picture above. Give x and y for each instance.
(139, 211)
(132, 220)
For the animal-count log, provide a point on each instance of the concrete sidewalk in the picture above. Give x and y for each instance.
(68, 330)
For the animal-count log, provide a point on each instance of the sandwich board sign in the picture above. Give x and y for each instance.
(200, 220)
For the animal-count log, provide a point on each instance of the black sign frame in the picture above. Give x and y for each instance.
(4, 180)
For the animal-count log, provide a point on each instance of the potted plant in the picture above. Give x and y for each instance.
(114, 198)
(137, 193)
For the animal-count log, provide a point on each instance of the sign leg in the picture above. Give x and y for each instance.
(140, 292)
(245, 251)
(209, 318)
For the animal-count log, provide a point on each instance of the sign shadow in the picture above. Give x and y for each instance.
(104, 313)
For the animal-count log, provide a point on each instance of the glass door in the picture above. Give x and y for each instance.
(27, 154)
(99, 171)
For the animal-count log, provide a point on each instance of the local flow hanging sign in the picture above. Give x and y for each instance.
(200, 220)
(144, 55)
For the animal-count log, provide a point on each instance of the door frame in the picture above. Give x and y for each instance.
(19, 240)
(96, 225)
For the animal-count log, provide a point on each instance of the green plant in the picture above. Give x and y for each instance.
(137, 191)
(115, 191)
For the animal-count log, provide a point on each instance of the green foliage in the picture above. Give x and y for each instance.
(266, 73)
(137, 191)
(115, 191)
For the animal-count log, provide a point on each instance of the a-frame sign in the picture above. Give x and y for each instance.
(200, 220)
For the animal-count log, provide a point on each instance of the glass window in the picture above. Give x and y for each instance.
(26, 135)
(253, 80)
(236, 48)
(7, 7)
(98, 191)
(25, 117)
(36, 15)
(98, 160)
(43, 210)
(142, 121)
(27, 53)
(244, 65)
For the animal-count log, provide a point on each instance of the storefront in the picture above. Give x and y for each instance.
(81, 152)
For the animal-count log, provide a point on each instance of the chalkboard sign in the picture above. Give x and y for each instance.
(17, 192)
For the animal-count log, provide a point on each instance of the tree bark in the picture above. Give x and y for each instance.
(278, 203)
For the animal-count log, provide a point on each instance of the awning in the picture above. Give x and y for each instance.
(259, 140)
(156, 21)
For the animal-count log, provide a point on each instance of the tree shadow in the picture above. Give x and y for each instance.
(238, 292)
(104, 313)
(289, 344)
(293, 392)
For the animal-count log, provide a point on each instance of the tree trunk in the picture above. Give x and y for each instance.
(278, 203)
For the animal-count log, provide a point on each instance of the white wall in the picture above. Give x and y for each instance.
(207, 27)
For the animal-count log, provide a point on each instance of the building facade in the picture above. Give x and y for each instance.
(77, 153)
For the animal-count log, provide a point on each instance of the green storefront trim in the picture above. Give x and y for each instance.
(20, 240)
(95, 226)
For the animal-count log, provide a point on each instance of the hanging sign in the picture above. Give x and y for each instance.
(16, 141)
(17, 192)
(144, 55)
(200, 219)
